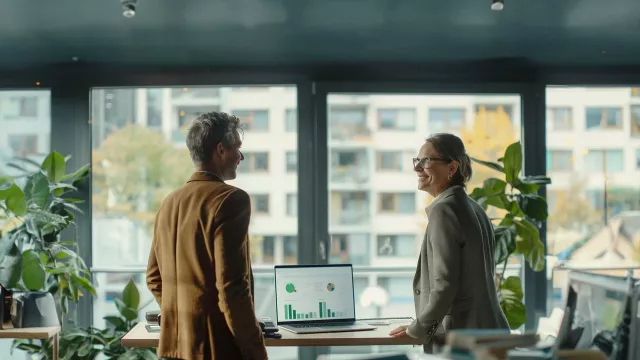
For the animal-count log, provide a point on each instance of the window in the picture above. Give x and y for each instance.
(443, 120)
(291, 120)
(130, 179)
(397, 119)
(390, 160)
(23, 145)
(401, 203)
(254, 162)
(350, 248)
(494, 110)
(559, 118)
(260, 204)
(638, 158)
(593, 210)
(253, 120)
(397, 245)
(20, 106)
(349, 166)
(349, 207)
(604, 161)
(635, 120)
(347, 123)
(604, 118)
(292, 205)
(292, 161)
(559, 160)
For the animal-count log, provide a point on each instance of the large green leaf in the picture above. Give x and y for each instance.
(78, 176)
(84, 283)
(505, 237)
(55, 167)
(11, 267)
(537, 179)
(534, 206)
(14, 199)
(513, 163)
(117, 322)
(499, 201)
(130, 295)
(529, 245)
(510, 296)
(477, 194)
(33, 273)
(127, 312)
(489, 164)
(37, 190)
(494, 187)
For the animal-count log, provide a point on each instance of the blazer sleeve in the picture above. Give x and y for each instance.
(443, 233)
(154, 278)
(231, 256)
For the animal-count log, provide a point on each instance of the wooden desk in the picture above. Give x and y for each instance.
(43, 333)
(140, 337)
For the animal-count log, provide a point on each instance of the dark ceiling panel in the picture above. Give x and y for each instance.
(299, 32)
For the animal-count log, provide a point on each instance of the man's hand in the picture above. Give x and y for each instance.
(399, 332)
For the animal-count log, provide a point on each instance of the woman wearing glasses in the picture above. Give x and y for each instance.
(454, 286)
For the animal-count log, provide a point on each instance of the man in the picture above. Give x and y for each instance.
(199, 267)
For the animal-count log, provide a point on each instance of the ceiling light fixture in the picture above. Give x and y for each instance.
(497, 5)
(128, 8)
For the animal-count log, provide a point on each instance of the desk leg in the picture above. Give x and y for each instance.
(55, 347)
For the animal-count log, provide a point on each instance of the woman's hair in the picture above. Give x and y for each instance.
(451, 147)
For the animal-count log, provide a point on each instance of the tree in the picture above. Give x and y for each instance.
(135, 168)
(572, 210)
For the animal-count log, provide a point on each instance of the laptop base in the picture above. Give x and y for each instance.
(328, 328)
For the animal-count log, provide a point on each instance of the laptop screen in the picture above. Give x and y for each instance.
(314, 293)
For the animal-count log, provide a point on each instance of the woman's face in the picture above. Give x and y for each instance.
(433, 170)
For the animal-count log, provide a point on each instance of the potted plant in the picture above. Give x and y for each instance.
(522, 212)
(33, 256)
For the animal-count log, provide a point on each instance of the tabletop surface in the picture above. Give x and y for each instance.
(29, 333)
(140, 337)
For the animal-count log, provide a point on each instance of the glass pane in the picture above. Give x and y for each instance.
(140, 156)
(376, 215)
(25, 132)
(594, 208)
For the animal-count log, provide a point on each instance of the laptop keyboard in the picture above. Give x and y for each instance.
(304, 326)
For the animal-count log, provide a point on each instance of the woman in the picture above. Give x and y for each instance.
(454, 283)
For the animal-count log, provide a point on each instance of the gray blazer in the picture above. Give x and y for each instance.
(454, 285)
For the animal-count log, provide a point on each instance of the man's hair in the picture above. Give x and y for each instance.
(209, 129)
(451, 147)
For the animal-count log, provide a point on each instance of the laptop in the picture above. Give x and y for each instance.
(316, 299)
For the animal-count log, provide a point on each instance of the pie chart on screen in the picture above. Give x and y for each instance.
(331, 286)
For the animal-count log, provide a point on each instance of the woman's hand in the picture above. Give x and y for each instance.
(400, 331)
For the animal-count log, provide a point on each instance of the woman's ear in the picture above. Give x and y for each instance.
(453, 167)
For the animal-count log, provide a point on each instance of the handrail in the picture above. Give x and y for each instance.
(607, 282)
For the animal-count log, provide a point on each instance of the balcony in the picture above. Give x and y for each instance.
(199, 93)
(350, 175)
(349, 132)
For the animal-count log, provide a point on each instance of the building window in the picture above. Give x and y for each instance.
(22, 106)
(604, 118)
(389, 161)
(350, 248)
(441, 120)
(397, 119)
(268, 249)
(396, 245)
(292, 161)
(254, 162)
(559, 160)
(253, 120)
(604, 161)
(291, 120)
(290, 247)
(399, 203)
(635, 120)
(560, 118)
(154, 108)
(349, 208)
(23, 145)
(348, 124)
(260, 204)
(292, 204)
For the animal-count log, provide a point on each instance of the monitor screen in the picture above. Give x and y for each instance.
(316, 293)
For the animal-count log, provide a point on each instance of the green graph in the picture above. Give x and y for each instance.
(290, 288)
(323, 313)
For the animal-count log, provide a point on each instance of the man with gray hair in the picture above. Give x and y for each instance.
(199, 267)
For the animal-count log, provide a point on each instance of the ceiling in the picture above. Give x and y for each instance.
(303, 32)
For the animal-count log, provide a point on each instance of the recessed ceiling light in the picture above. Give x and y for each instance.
(128, 8)
(497, 5)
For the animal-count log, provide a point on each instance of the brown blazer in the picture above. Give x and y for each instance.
(199, 271)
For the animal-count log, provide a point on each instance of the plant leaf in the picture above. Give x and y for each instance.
(505, 238)
(533, 206)
(37, 190)
(490, 165)
(510, 296)
(55, 166)
(11, 267)
(84, 283)
(529, 245)
(513, 163)
(127, 312)
(117, 322)
(514, 284)
(14, 199)
(493, 187)
(33, 273)
(130, 295)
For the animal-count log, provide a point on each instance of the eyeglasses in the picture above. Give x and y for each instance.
(423, 163)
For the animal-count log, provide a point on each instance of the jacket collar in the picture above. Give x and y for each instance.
(204, 176)
(455, 189)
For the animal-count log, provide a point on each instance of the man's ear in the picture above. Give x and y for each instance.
(220, 149)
